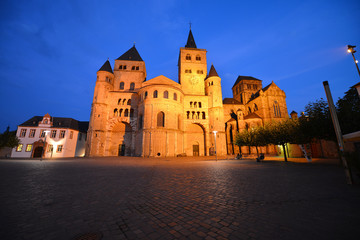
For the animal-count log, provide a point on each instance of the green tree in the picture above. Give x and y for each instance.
(281, 133)
(348, 111)
(8, 139)
(252, 137)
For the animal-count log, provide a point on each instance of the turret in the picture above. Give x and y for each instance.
(213, 88)
(192, 67)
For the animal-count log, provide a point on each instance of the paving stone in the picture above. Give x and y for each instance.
(183, 198)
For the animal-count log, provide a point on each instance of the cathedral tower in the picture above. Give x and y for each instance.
(192, 67)
(98, 115)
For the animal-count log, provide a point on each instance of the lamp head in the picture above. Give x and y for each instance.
(351, 48)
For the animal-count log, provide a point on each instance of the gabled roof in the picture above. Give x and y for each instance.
(230, 101)
(212, 72)
(59, 122)
(161, 80)
(251, 115)
(106, 67)
(131, 55)
(244, 78)
(191, 41)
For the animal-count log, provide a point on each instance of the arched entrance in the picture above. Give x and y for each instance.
(120, 140)
(38, 151)
(196, 141)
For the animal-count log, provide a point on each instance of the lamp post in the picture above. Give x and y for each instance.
(215, 143)
(44, 150)
(351, 49)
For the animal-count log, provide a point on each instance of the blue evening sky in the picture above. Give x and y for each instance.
(51, 50)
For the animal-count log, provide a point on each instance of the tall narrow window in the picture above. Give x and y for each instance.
(133, 68)
(23, 132)
(161, 119)
(188, 57)
(166, 94)
(131, 113)
(121, 67)
(53, 134)
(188, 114)
(129, 102)
(59, 148)
(28, 148)
(155, 94)
(146, 94)
(140, 122)
(199, 104)
(120, 112)
(195, 104)
(203, 115)
(122, 85)
(126, 113)
(175, 96)
(191, 104)
(19, 148)
(198, 58)
(132, 86)
(115, 112)
(255, 107)
(123, 103)
(124, 67)
(62, 134)
(179, 121)
(32, 133)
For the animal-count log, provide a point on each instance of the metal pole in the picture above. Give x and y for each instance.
(337, 131)
(355, 63)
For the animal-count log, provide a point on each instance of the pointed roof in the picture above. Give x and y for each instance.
(212, 72)
(106, 67)
(131, 55)
(244, 78)
(191, 41)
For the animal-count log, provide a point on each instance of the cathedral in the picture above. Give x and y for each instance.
(159, 117)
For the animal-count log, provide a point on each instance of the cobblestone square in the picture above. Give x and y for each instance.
(175, 198)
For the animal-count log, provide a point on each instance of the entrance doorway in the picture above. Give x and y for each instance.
(38, 152)
(196, 150)
(121, 150)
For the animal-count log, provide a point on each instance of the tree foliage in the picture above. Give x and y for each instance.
(348, 111)
(9, 139)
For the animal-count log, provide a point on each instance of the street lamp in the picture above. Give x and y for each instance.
(44, 150)
(215, 143)
(351, 49)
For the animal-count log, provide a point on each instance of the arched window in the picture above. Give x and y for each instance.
(198, 58)
(203, 115)
(195, 104)
(155, 94)
(175, 96)
(123, 103)
(188, 57)
(140, 122)
(277, 112)
(146, 94)
(192, 115)
(129, 102)
(199, 104)
(126, 113)
(124, 67)
(131, 113)
(166, 94)
(122, 85)
(179, 121)
(121, 67)
(161, 119)
(120, 112)
(115, 112)
(198, 115)
(249, 109)
(133, 68)
(132, 86)
(188, 114)
(119, 101)
(191, 104)
(137, 67)
(255, 107)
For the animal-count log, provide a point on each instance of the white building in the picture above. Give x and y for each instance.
(51, 137)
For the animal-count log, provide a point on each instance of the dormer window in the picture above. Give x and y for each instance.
(188, 57)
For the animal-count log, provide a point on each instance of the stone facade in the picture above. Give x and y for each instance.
(132, 116)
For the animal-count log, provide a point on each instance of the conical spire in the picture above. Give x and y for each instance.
(131, 55)
(106, 67)
(212, 72)
(190, 42)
